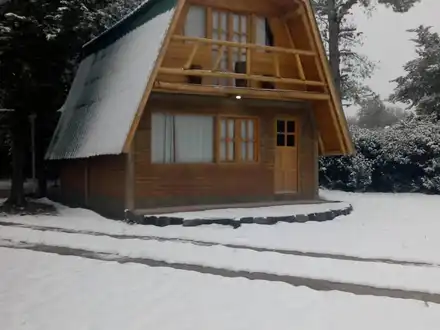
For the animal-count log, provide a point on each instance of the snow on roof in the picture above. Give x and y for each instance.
(107, 89)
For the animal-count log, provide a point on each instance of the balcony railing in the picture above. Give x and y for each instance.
(198, 63)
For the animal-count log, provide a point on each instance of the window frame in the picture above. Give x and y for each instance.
(173, 135)
(238, 140)
(217, 120)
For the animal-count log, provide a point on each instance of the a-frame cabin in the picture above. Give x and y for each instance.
(189, 102)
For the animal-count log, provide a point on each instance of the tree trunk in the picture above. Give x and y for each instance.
(40, 145)
(333, 40)
(18, 135)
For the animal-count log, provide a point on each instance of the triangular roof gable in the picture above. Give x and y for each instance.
(87, 130)
(334, 136)
(111, 82)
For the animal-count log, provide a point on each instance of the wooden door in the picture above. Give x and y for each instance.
(286, 156)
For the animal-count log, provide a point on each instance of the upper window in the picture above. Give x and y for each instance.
(195, 25)
(226, 25)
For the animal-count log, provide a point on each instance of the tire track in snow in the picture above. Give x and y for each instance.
(314, 284)
(233, 246)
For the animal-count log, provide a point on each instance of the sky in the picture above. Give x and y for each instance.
(387, 43)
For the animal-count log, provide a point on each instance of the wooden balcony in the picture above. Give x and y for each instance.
(206, 66)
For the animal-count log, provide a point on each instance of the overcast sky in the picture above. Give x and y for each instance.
(387, 42)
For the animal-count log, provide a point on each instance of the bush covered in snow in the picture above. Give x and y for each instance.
(402, 158)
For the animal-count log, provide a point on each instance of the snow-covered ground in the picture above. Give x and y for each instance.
(197, 285)
(391, 226)
(41, 291)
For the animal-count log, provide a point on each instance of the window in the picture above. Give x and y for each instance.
(195, 25)
(238, 141)
(190, 139)
(182, 138)
(286, 132)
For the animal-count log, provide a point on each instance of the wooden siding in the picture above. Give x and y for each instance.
(184, 184)
(97, 183)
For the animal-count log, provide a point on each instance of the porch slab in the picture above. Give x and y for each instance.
(264, 213)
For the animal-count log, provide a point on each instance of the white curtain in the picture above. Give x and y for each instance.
(195, 25)
(182, 138)
(194, 139)
(162, 137)
(260, 36)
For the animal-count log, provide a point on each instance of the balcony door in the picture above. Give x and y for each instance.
(229, 26)
(286, 156)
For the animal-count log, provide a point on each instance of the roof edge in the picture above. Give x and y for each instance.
(118, 30)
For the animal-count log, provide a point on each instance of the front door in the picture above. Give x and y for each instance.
(286, 156)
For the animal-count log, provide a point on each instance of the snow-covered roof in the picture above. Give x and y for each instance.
(109, 84)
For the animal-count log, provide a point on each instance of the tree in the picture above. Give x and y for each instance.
(375, 114)
(39, 42)
(349, 68)
(420, 87)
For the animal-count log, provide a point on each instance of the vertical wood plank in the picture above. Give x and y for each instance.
(130, 179)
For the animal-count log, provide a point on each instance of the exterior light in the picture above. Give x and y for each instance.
(238, 97)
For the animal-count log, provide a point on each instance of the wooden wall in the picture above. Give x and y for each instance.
(97, 183)
(184, 184)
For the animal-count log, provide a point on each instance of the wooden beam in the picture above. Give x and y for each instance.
(218, 59)
(293, 14)
(312, 40)
(208, 73)
(320, 143)
(301, 73)
(276, 63)
(86, 181)
(130, 179)
(243, 45)
(153, 75)
(277, 94)
(348, 145)
(191, 56)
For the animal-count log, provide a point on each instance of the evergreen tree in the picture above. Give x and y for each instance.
(420, 87)
(39, 43)
(349, 68)
(375, 114)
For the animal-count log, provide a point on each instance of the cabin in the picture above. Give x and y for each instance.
(199, 102)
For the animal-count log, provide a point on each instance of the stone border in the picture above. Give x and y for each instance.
(163, 221)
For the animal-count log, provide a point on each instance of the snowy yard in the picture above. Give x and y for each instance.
(376, 268)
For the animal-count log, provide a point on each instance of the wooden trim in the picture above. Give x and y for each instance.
(209, 23)
(293, 14)
(245, 45)
(86, 181)
(230, 36)
(302, 75)
(130, 179)
(153, 75)
(218, 59)
(348, 146)
(276, 94)
(237, 140)
(320, 143)
(214, 73)
(324, 76)
(191, 56)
